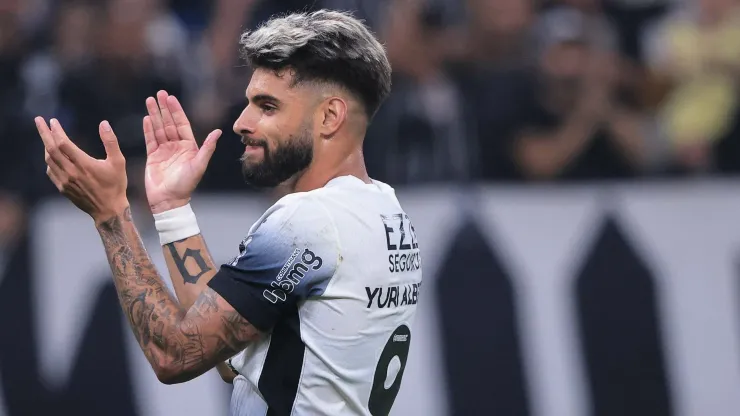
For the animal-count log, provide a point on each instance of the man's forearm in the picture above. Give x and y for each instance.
(191, 267)
(149, 307)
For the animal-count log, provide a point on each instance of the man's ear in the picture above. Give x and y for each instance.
(333, 114)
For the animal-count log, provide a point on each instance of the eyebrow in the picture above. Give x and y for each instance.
(263, 97)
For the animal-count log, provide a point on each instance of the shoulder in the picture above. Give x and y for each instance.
(296, 225)
(296, 230)
(297, 214)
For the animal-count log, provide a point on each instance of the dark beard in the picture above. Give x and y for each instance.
(281, 163)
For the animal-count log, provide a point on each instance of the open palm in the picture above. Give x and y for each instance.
(174, 163)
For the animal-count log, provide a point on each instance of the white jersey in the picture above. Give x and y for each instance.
(333, 277)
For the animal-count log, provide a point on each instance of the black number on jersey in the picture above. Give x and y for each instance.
(381, 399)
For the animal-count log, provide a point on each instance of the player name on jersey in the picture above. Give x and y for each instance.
(393, 296)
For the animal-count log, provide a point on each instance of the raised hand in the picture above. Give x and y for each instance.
(97, 187)
(174, 163)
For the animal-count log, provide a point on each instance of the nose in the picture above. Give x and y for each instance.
(244, 124)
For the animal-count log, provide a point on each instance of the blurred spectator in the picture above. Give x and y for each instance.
(121, 73)
(15, 141)
(419, 134)
(13, 44)
(18, 178)
(597, 27)
(572, 125)
(697, 52)
(223, 79)
(498, 32)
(72, 49)
(498, 45)
(12, 225)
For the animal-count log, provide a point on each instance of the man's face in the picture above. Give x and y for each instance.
(563, 66)
(507, 17)
(566, 62)
(276, 127)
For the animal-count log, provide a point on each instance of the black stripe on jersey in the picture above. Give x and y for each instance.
(281, 372)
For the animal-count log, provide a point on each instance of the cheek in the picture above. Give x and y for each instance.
(271, 133)
(565, 62)
(281, 127)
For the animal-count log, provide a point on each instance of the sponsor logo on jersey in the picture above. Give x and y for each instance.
(406, 262)
(402, 244)
(292, 274)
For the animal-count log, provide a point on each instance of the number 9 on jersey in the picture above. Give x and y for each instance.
(382, 397)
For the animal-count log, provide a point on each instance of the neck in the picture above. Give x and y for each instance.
(328, 166)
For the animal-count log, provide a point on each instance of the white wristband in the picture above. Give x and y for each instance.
(176, 224)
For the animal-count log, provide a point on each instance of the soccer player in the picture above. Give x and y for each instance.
(314, 313)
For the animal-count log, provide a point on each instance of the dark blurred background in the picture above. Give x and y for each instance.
(561, 103)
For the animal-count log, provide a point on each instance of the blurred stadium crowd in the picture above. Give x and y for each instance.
(484, 90)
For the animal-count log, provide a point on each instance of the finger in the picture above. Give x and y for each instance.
(181, 120)
(53, 170)
(149, 138)
(206, 151)
(44, 132)
(54, 178)
(156, 117)
(52, 152)
(66, 147)
(110, 141)
(169, 124)
(51, 164)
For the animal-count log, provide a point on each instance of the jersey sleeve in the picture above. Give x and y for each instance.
(289, 257)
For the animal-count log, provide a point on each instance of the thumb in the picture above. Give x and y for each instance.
(110, 141)
(206, 151)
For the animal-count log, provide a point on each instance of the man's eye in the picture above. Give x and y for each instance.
(268, 107)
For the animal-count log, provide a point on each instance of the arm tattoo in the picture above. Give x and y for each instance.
(179, 260)
(185, 343)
